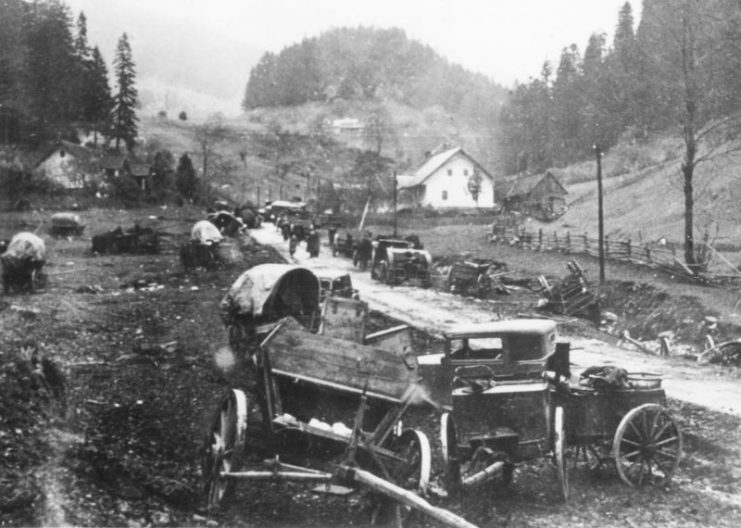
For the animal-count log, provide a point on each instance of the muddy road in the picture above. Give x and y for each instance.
(433, 311)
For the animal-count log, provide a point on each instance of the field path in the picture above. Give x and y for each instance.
(435, 311)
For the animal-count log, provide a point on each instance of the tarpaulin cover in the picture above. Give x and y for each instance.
(205, 232)
(25, 244)
(274, 289)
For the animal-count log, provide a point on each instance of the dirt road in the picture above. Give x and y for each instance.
(434, 311)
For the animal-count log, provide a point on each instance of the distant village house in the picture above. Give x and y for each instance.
(69, 165)
(539, 195)
(347, 126)
(446, 180)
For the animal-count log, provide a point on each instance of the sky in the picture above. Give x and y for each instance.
(507, 40)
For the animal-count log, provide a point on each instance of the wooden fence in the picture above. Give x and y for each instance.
(666, 257)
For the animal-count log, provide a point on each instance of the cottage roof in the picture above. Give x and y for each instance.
(114, 161)
(523, 185)
(80, 153)
(431, 165)
(138, 169)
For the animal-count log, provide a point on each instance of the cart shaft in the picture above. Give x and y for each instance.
(405, 497)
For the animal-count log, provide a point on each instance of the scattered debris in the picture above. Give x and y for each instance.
(137, 240)
(728, 353)
(572, 295)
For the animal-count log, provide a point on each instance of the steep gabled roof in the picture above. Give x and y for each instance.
(82, 154)
(523, 185)
(431, 165)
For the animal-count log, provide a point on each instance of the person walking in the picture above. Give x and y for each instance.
(292, 243)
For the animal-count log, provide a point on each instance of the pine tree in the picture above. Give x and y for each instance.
(98, 101)
(124, 114)
(51, 68)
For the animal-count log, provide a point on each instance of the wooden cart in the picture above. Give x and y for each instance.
(325, 410)
(628, 426)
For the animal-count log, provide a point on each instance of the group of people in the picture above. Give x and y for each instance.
(295, 232)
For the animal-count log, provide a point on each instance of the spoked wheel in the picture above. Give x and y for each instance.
(559, 452)
(647, 446)
(593, 453)
(449, 445)
(413, 473)
(224, 447)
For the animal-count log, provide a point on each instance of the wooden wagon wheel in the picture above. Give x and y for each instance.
(647, 446)
(413, 472)
(559, 451)
(449, 447)
(224, 446)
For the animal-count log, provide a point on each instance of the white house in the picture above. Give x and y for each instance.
(71, 166)
(450, 179)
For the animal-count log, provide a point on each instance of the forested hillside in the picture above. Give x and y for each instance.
(676, 72)
(51, 79)
(368, 63)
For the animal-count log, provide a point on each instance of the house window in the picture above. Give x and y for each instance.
(450, 172)
(445, 195)
(465, 172)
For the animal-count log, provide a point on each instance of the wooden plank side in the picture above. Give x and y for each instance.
(344, 319)
(397, 340)
(340, 362)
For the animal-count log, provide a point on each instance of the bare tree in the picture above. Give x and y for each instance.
(681, 44)
(208, 135)
(379, 130)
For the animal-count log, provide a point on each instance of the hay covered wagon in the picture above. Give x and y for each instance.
(22, 263)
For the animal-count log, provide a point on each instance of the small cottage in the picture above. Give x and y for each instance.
(446, 180)
(69, 165)
(540, 195)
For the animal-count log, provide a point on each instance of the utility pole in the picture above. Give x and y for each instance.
(600, 215)
(394, 184)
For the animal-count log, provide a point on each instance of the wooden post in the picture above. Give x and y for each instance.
(628, 248)
(555, 240)
(648, 253)
(586, 243)
(540, 239)
(568, 241)
(601, 222)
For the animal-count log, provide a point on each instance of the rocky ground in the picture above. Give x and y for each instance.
(108, 381)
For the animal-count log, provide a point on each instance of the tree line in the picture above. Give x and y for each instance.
(53, 82)
(683, 55)
(676, 73)
(369, 63)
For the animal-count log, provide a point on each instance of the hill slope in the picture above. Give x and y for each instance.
(643, 197)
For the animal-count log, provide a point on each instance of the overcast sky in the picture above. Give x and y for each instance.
(507, 40)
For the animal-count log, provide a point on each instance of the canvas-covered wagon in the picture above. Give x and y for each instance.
(202, 250)
(23, 261)
(66, 224)
(263, 295)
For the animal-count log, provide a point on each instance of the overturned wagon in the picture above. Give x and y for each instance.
(470, 277)
(22, 263)
(136, 240)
